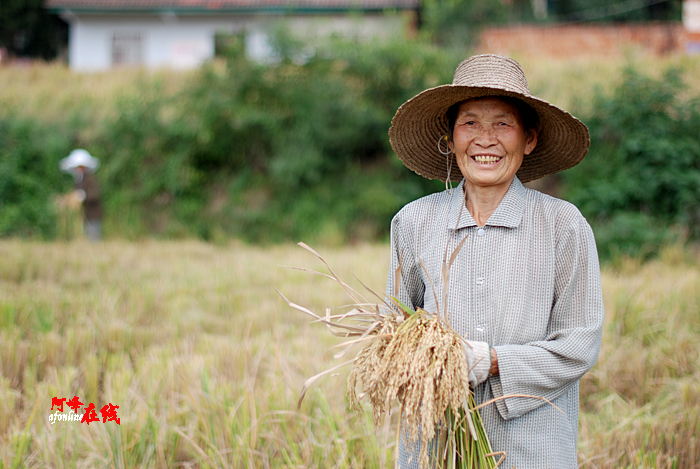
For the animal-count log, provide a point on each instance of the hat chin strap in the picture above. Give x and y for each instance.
(448, 186)
(448, 154)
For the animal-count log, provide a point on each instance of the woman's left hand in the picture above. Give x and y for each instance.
(478, 355)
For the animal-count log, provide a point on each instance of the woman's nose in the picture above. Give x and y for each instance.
(485, 136)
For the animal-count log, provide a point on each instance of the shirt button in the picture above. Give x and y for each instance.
(481, 232)
(480, 281)
(480, 328)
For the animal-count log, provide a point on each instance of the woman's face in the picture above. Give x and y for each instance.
(489, 141)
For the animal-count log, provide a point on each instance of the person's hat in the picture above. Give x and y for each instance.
(420, 122)
(77, 158)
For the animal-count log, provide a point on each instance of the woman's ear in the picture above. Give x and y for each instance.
(531, 141)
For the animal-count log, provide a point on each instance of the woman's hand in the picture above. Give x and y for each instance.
(494, 362)
(481, 361)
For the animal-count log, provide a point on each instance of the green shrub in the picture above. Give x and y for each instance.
(300, 147)
(29, 176)
(296, 149)
(147, 171)
(641, 179)
(458, 22)
(631, 234)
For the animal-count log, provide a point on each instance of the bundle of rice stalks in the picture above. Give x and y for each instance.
(415, 359)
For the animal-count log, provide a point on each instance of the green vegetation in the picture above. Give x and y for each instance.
(640, 183)
(28, 176)
(206, 361)
(28, 30)
(458, 22)
(298, 149)
(246, 150)
(606, 11)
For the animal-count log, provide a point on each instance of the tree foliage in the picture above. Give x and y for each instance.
(29, 176)
(617, 11)
(642, 174)
(458, 22)
(27, 29)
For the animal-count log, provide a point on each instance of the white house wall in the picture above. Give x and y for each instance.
(167, 42)
(691, 15)
(186, 42)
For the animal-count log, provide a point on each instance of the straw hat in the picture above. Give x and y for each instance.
(562, 141)
(77, 158)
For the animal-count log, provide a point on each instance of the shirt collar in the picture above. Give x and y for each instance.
(508, 214)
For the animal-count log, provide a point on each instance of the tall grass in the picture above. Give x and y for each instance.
(191, 342)
(641, 403)
(571, 83)
(205, 361)
(51, 92)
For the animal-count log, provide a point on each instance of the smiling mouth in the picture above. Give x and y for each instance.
(485, 159)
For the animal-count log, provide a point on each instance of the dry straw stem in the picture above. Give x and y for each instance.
(414, 358)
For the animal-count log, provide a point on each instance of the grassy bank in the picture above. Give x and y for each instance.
(246, 151)
(51, 92)
(205, 361)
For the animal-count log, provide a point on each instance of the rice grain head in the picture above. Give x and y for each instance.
(418, 362)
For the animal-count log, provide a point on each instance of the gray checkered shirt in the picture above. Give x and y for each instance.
(528, 283)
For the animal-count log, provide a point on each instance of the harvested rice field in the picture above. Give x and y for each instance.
(205, 361)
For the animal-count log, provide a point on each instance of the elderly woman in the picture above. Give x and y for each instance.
(525, 288)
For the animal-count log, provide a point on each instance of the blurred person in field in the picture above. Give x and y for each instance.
(82, 166)
(524, 289)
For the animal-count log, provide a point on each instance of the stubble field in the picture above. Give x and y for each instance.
(205, 361)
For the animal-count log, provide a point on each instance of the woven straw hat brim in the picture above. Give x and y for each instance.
(418, 124)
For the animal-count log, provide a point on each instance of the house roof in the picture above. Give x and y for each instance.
(237, 6)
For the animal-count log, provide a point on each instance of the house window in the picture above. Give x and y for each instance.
(127, 48)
